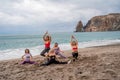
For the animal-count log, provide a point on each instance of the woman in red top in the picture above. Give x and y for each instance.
(47, 41)
(74, 45)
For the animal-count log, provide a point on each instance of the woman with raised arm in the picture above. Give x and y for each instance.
(51, 59)
(47, 41)
(74, 45)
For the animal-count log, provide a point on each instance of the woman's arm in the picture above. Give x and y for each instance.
(76, 40)
(50, 38)
(23, 57)
(31, 57)
(61, 50)
(72, 37)
(45, 35)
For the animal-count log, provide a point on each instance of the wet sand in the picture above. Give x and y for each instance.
(94, 63)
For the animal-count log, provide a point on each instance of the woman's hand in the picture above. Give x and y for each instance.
(72, 36)
(46, 32)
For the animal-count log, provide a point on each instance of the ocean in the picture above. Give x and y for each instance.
(13, 46)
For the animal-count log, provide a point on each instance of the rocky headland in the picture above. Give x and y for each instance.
(110, 22)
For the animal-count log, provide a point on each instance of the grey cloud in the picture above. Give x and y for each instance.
(52, 13)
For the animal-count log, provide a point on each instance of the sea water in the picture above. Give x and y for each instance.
(13, 46)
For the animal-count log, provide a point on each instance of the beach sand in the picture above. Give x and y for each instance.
(94, 63)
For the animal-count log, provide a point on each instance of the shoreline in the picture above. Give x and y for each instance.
(17, 53)
(94, 63)
(66, 51)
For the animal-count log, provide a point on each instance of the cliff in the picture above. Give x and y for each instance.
(79, 27)
(110, 22)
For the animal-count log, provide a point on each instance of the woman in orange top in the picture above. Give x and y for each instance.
(74, 45)
(47, 41)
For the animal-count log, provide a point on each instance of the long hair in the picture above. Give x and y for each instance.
(27, 51)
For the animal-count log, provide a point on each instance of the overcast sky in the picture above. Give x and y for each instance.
(36, 16)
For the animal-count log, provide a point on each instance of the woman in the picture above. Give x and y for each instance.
(74, 45)
(47, 41)
(27, 57)
(51, 59)
(58, 51)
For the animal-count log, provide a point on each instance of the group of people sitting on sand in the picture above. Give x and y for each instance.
(50, 53)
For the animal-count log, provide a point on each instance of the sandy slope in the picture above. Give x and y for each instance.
(96, 63)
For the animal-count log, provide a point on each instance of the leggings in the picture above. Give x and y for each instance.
(44, 51)
(52, 60)
(30, 62)
(75, 55)
(59, 54)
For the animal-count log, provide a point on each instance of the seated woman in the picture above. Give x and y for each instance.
(27, 57)
(58, 51)
(51, 59)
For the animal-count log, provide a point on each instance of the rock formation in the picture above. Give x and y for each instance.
(79, 27)
(110, 22)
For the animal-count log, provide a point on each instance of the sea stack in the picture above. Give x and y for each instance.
(79, 27)
(110, 22)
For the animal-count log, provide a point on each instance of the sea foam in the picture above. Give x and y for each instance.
(17, 53)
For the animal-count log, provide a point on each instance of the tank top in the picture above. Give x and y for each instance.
(74, 48)
(56, 50)
(27, 57)
(47, 45)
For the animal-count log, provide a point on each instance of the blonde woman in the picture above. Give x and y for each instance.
(51, 59)
(74, 46)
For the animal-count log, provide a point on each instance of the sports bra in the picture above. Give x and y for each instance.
(74, 48)
(47, 45)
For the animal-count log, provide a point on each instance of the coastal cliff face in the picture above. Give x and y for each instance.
(79, 27)
(110, 22)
